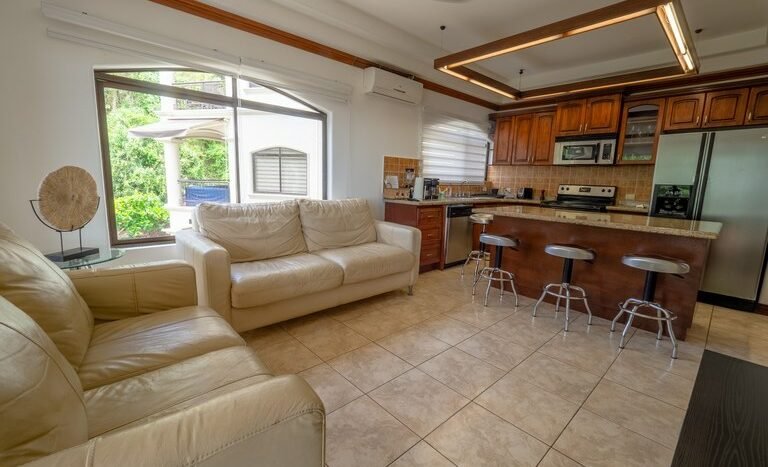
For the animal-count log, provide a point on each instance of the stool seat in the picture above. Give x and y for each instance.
(480, 218)
(499, 240)
(569, 252)
(656, 264)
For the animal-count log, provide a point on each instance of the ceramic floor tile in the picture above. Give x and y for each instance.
(555, 458)
(334, 390)
(419, 401)
(521, 332)
(462, 372)
(528, 407)
(645, 349)
(352, 310)
(266, 336)
(422, 455)
(640, 413)
(448, 330)
(592, 440)
(362, 433)
(369, 366)
(593, 349)
(331, 339)
(569, 382)
(495, 350)
(478, 315)
(410, 312)
(413, 345)
(475, 436)
(653, 382)
(306, 324)
(377, 324)
(547, 310)
(288, 357)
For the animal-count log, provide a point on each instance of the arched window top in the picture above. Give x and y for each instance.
(279, 151)
(280, 170)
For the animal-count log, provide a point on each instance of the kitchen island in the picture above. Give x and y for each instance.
(611, 235)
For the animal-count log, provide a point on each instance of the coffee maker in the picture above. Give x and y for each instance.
(425, 188)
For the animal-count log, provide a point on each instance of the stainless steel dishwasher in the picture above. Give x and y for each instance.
(458, 233)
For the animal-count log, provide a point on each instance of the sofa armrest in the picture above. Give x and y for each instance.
(212, 267)
(403, 236)
(280, 421)
(126, 291)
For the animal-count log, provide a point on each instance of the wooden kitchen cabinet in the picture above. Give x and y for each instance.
(757, 106)
(502, 149)
(596, 115)
(542, 139)
(725, 108)
(684, 112)
(428, 219)
(521, 139)
(602, 114)
(570, 117)
(641, 127)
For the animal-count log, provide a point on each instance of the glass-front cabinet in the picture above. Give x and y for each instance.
(639, 135)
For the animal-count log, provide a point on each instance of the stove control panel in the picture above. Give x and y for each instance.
(594, 191)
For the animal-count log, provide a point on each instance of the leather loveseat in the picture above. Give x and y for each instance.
(259, 264)
(119, 367)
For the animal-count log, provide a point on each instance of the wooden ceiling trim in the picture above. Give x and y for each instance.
(226, 18)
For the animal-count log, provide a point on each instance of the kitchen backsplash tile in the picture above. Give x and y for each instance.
(634, 180)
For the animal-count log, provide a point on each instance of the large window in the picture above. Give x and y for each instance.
(452, 149)
(173, 138)
(280, 170)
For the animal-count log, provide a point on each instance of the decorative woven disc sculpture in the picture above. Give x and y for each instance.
(68, 198)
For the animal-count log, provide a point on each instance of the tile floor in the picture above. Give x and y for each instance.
(436, 379)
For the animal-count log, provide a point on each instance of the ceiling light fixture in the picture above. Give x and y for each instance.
(668, 12)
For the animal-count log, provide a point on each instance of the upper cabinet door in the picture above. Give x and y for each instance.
(684, 112)
(521, 138)
(757, 107)
(570, 117)
(639, 135)
(502, 149)
(543, 139)
(602, 114)
(725, 108)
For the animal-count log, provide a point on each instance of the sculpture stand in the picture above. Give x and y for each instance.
(63, 255)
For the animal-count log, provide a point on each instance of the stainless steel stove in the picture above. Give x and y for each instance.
(583, 198)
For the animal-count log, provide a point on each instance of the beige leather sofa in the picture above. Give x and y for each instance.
(259, 264)
(119, 367)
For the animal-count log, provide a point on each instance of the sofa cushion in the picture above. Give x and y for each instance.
(173, 387)
(369, 261)
(42, 290)
(251, 232)
(41, 401)
(336, 224)
(132, 346)
(271, 280)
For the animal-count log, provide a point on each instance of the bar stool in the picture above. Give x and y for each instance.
(480, 255)
(653, 265)
(500, 242)
(569, 253)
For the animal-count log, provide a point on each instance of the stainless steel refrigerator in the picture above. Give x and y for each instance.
(728, 172)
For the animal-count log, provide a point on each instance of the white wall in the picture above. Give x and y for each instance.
(49, 114)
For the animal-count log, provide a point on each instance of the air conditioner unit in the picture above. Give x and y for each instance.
(384, 83)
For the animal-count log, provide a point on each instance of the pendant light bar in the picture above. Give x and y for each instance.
(481, 80)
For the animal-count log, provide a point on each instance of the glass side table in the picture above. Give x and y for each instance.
(104, 255)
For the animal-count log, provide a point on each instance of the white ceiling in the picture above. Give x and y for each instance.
(406, 34)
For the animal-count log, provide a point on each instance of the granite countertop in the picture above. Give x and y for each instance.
(487, 200)
(659, 225)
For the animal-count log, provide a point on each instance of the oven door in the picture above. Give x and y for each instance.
(583, 152)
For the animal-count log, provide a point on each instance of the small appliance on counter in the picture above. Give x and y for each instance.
(672, 201)
(583, 198)
(525, 193)
(581, 151)
(425, 188)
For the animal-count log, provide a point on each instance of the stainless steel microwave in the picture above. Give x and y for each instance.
(585, 152)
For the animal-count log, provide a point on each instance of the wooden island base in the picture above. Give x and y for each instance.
(607, 281)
